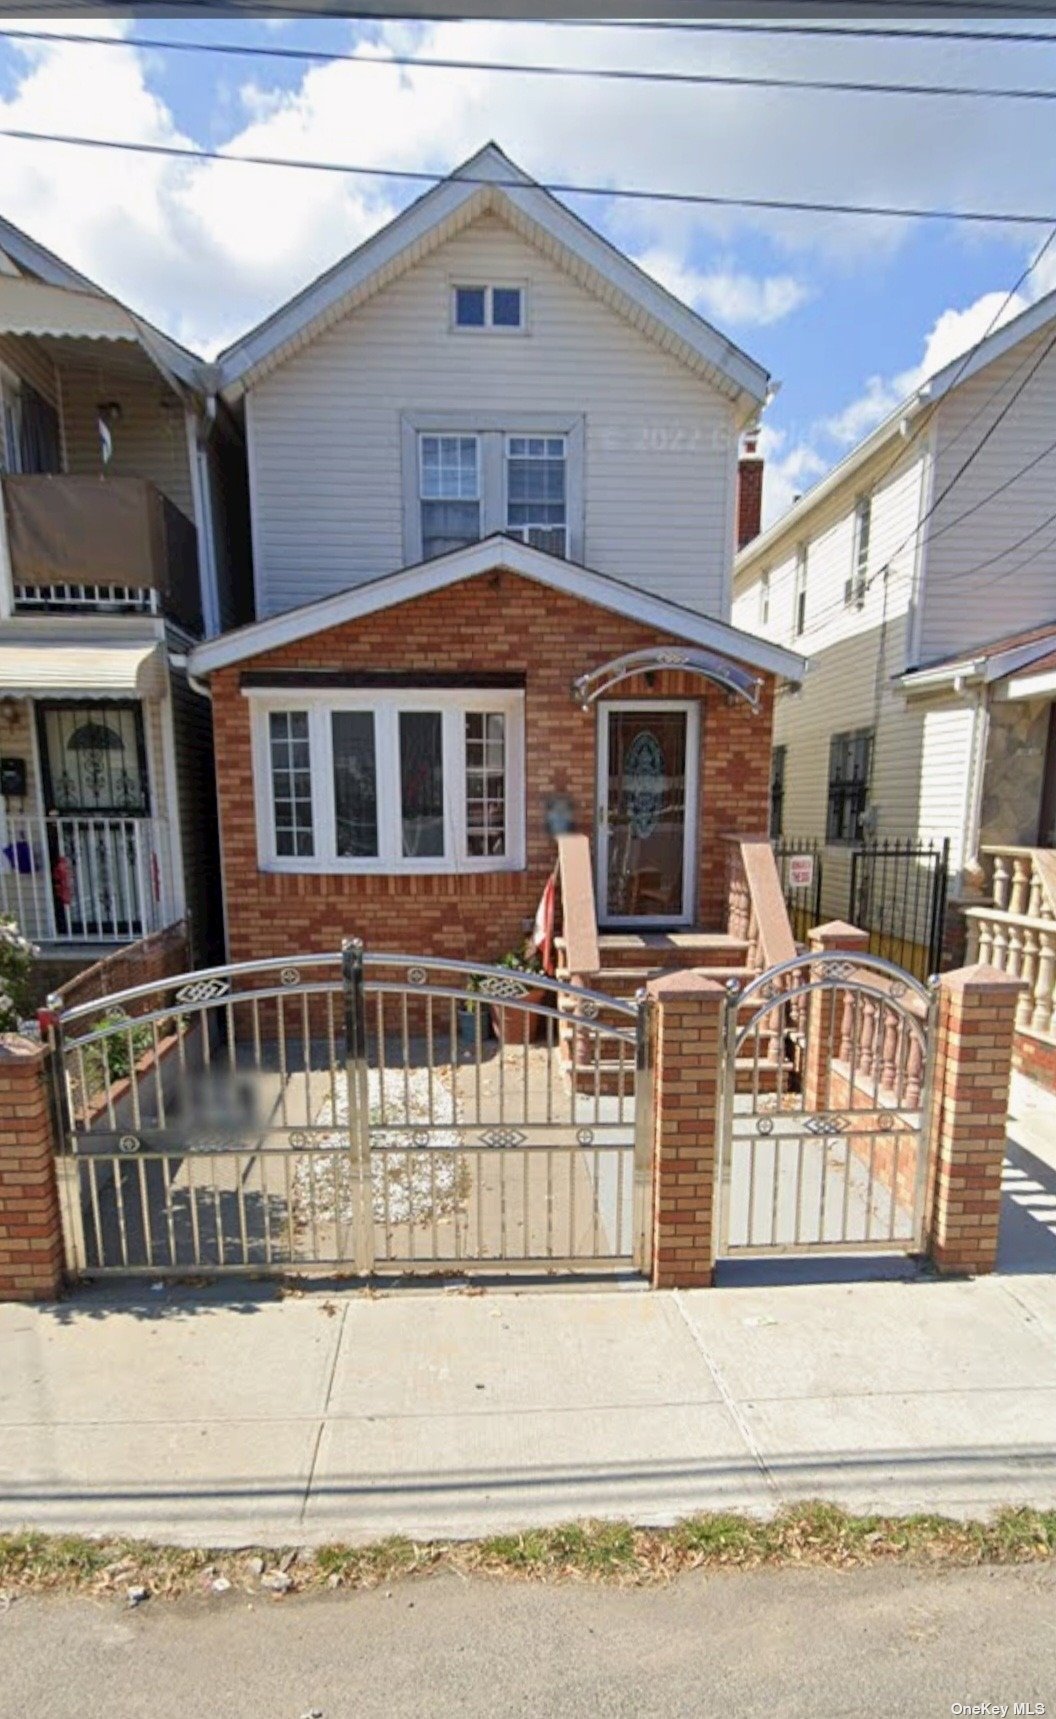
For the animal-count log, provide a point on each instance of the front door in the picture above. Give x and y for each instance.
(94, 781)
(647, 812)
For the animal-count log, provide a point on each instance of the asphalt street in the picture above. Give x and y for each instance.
(790, 1643)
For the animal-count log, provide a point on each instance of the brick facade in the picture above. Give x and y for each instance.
(687, 1050)
(970, 1113)
(146, 962)
(495, 622)
(31, 1250)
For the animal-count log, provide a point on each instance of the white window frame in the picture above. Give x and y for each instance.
(450, 435)
(799, 592)
(386, 704)
(491, 429)
(764, 598)
(535, 435)
(857, 585)
(489, 326)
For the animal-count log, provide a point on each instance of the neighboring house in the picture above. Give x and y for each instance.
(489, 459)
(919, 578)
(119, 550)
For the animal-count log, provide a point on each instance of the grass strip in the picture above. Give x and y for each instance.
(807, 1535)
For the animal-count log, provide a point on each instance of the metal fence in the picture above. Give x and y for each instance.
(895, 889)
(355, 1112)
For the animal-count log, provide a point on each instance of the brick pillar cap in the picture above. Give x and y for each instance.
(690, 983)
(16, 1047)
(980, 977)
(838, 930)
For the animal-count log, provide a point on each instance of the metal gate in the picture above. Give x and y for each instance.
(826, 1103)
(352, 1113)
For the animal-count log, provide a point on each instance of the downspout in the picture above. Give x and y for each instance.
(199, 430)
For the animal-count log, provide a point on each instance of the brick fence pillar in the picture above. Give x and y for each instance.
(976, 1020)
(687, 1053)
(822, 1031)
(31, 1248)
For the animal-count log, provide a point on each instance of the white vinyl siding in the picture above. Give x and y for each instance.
(922, 750)
(977, 588)
(327, 447)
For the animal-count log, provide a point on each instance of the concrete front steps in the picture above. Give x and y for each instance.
(629, 959)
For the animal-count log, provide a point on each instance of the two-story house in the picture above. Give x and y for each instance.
(119, 550)
(919, 578)
(492, 473)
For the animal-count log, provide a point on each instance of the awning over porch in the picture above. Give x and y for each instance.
(37, 668)
(707, 665)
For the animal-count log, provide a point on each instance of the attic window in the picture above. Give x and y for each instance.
(498, 307)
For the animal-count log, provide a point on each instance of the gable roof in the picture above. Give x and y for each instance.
(89, 309)
(491, 554)
(924, 398)
(490, 181)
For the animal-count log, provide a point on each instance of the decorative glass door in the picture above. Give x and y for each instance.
(94, 781)
(646, 842)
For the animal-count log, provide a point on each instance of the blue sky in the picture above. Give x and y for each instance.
(847, 314)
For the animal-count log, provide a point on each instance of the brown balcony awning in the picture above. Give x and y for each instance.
(38, 668)
(84, 530)
(68, 529)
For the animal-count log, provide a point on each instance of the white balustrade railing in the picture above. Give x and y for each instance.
(1017, 934)
(85, 877)
(105, 599)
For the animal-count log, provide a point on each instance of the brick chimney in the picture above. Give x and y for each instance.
(749, 491)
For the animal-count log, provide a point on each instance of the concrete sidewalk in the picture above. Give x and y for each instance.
(226, 1416)
(238, 1413)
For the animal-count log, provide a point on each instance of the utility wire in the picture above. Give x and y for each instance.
(419, 176)
(824, 615)
(618, 74)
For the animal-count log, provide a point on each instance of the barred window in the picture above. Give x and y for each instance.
(850, 759)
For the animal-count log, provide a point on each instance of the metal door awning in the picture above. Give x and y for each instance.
(656, 658)
(38, 668)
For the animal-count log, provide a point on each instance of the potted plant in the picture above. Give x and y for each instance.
(516, 1025)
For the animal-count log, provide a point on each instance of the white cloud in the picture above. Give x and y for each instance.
(208, 249)
(727, 295)
(788, 471)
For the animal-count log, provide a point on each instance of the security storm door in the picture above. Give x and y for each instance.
(647, 812)
(94, 784)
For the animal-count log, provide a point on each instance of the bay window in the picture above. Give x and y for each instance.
(390, 781)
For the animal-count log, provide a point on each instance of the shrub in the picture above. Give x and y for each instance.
(16, 959)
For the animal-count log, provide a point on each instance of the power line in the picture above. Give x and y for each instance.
(420, 176)
(822, 617)
(534, 69)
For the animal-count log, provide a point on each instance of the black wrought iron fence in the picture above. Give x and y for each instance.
(895, 889)
(800, 864)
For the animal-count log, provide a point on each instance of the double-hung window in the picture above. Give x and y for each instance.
(536, 492)
(799, 593)
(401, 780)
(449, 492)
(856, 586)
